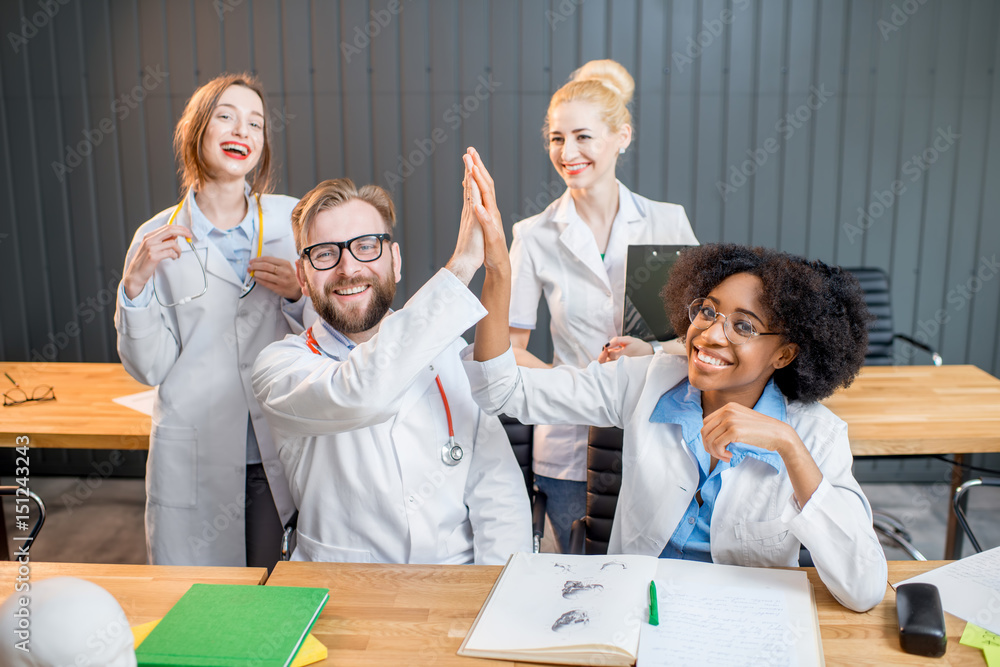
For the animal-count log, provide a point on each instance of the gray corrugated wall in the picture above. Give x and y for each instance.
(719, 83)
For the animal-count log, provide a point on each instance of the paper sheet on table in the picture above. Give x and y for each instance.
(969, 588)
(141, 402)
(759, 616)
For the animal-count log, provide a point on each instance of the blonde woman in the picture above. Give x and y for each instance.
(207, 284)
(574, 253)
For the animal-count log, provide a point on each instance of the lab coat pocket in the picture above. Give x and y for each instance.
(308, 549)
(766, 543)
(172, 472)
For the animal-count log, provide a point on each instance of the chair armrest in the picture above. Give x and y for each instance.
(287, 536)
(577, 536)
(957, 503)
(923, 346)
(13, 491)
(538, 520)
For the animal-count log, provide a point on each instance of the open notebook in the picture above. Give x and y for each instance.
(575, 610)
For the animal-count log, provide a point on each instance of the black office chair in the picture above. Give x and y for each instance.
(521, 438)
(591, 534)
(875, 283)
(288, 537)
(27, 542)
(881, 339)
(959, 505)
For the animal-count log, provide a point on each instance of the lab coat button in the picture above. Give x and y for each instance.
(244, 366)
(412, 499)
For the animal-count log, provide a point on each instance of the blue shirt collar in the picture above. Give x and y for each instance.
(339, 337)
(682, 405)
(202, 227)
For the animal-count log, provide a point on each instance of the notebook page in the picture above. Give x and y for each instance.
(552, 601)
(722, 615)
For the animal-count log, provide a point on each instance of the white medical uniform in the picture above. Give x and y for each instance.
(756, 521)
(201, 355)
(554, 254)
(360, 433)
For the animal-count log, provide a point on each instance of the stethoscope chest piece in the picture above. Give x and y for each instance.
(452, 453)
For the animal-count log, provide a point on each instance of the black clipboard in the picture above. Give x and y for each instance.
(647, 268)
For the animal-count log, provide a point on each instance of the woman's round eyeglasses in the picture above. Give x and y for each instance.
(737, 326)
(325, 256)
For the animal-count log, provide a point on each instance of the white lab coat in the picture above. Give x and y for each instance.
(201, 355)
(554, 254)
(755, 521)
(360, 434)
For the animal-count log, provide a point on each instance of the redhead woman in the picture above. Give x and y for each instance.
(574, 253)
(207, 284)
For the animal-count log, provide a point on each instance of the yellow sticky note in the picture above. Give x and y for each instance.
(977, 637)
(312, 650)
(140, 632)
(992, 655)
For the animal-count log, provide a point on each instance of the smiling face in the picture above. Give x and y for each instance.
(234, 137)
(353, 296)
(725, 372)
(582, 147)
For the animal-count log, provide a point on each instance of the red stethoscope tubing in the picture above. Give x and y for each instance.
(447, 410)
(314, 346)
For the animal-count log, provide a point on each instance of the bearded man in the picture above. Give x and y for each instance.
(388, 458)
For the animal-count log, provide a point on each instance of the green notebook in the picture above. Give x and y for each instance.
(221, 625)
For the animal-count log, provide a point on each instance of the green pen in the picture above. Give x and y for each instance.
(654, 614)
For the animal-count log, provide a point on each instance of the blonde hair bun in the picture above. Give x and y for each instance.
(611, 73)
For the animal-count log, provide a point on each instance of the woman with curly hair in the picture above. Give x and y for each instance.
(728, 457)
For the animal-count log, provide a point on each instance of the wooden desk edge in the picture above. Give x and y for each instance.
(75, 441)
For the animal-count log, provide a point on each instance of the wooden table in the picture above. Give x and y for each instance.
(83, 415)
(145, 592)
(916, 410)
(391, 615)
(920, 410)
(890, 409)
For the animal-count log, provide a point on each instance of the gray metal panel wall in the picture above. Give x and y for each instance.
(773, 122)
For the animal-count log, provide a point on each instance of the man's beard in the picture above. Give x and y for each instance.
(349, 319)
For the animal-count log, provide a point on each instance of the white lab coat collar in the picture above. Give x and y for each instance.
(336, 345)
(215, 262)
(579, 240)
(331, 342)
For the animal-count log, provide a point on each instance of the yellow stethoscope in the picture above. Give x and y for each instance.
(248, 285)
(451, 452)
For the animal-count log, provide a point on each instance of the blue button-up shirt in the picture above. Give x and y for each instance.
(682, 405)
(234, 243)
(344, 340)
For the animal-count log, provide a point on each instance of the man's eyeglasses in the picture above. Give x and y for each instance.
(737, 326)
(325, 256)
(17, 396)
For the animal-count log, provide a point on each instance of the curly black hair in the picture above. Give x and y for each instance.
(818, 307)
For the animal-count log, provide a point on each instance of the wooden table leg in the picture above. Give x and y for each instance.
(953, 536)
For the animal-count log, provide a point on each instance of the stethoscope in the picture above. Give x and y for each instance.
(248, 285)
(451, 452)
